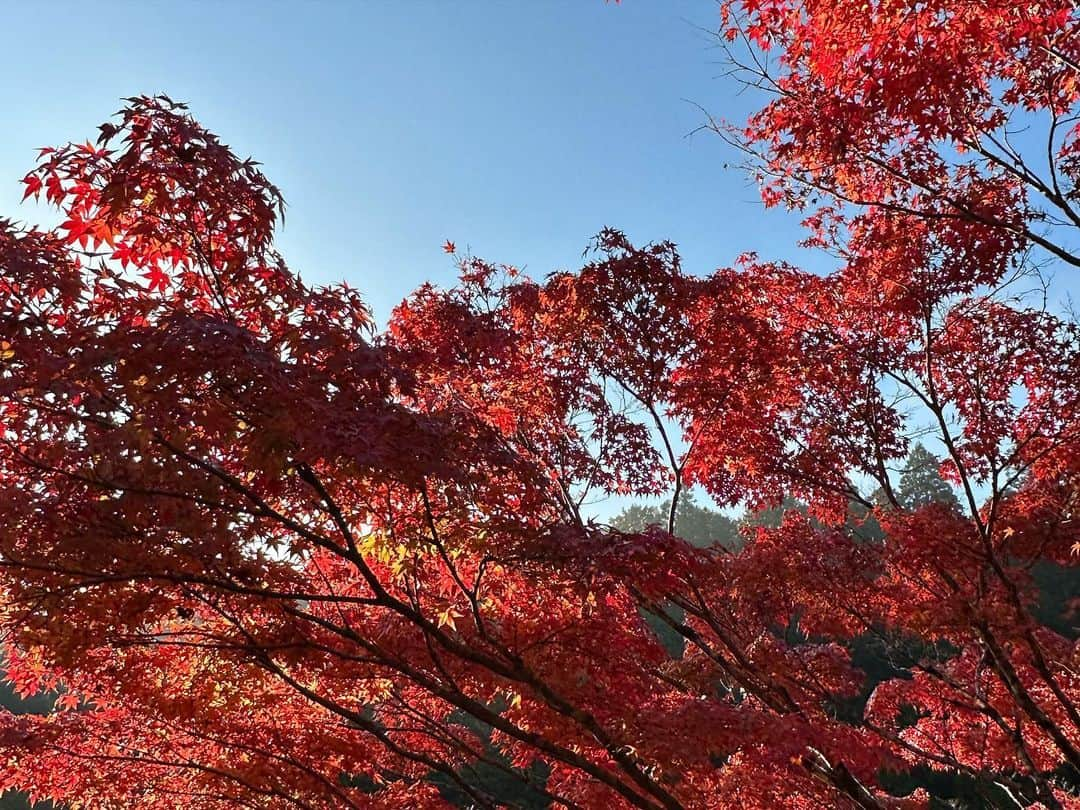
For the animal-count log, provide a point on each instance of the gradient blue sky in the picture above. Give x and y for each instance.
(518, 129)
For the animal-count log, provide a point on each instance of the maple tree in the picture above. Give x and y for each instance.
(271, 556)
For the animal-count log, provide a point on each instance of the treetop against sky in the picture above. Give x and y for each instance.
(516, 129)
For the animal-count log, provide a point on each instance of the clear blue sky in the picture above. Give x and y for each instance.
(518, 129)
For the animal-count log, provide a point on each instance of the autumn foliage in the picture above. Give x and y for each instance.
(271, 556)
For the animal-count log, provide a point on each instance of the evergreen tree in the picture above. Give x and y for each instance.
(698, 525)
(921, 482)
